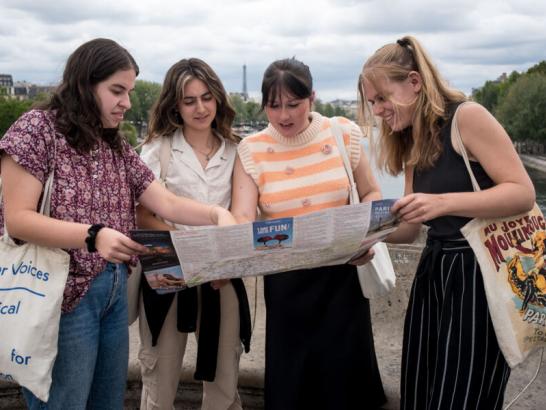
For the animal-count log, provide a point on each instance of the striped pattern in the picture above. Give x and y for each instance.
(302, 174)
(450, 358)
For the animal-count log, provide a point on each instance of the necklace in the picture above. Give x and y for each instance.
(207, 155)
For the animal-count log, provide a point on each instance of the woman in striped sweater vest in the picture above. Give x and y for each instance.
(319, 343)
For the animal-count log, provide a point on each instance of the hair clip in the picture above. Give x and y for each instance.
(403, 42)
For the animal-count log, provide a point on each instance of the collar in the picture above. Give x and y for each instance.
(303, 137)
(180, 144)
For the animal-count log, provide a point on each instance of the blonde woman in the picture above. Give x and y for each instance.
(451, 359)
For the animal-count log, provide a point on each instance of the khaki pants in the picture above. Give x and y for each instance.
(161, 364)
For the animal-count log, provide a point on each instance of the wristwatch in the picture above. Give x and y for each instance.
(92, 237)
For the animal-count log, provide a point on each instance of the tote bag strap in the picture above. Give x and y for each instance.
(164, 156)
(45, 207)
(456, 134)
(336, 130)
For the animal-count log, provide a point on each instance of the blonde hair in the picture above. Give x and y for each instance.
(165, 118)
(420, 146)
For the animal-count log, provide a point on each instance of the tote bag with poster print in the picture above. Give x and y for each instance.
(510, 252)
(32, 282)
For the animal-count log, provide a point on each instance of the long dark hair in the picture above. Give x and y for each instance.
(78, 116)
(165, 119)
(289, 74)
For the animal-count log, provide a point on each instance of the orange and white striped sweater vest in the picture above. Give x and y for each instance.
(301, 174)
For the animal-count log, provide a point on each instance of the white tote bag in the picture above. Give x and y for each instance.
(32, 282)
(510, 252)
(377, 277)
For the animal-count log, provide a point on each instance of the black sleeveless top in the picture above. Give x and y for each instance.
(449, 174)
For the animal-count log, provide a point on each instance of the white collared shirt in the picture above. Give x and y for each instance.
(185, 175)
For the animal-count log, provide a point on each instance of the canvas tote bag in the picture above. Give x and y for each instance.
(133, 282)
(510, 252)
(32, 282)
(376, 277)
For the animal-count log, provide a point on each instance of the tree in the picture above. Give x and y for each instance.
(329, 110)
(142, 99)
(488, 95)
(10, 110)
(129, 132)
(246, 112)
(493, 92)
(522, 111)
(264, 239)
(281, 237)
(539, 68)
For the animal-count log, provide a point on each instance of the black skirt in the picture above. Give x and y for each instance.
(319, 343)
(450, 358)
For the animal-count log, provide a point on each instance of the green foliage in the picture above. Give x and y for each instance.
(539, 68)
(247, 111)
(523, 111)
(493, 92)
(142, 98)
(130, 132)
(488, 95)
(10, 110)
(329, 110)
(518, 102)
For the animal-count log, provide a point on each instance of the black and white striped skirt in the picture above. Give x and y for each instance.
(451, 358)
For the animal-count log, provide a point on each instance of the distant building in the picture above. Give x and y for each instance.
(35, 90)
(6, 80)
(6, 83)
(502, 78)
(22, 90)
(351, 106)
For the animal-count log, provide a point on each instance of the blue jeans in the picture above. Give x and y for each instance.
(90, 370)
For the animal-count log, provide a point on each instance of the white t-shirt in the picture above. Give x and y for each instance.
(185, 175)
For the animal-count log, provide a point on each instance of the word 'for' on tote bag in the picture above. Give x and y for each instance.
(32, 281)
(510, 252)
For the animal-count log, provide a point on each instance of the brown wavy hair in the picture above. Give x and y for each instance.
(78, 115)
(164, 117)
(418, 146)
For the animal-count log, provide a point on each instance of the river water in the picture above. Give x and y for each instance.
(539, 181)
(393, 187)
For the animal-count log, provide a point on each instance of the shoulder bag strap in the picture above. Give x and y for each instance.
(336, 130)
(459, 141)
(45, 206)
(164, 157)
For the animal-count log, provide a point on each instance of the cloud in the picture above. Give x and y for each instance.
(470, 41)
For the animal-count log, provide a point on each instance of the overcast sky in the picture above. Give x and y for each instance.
(471, 41)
